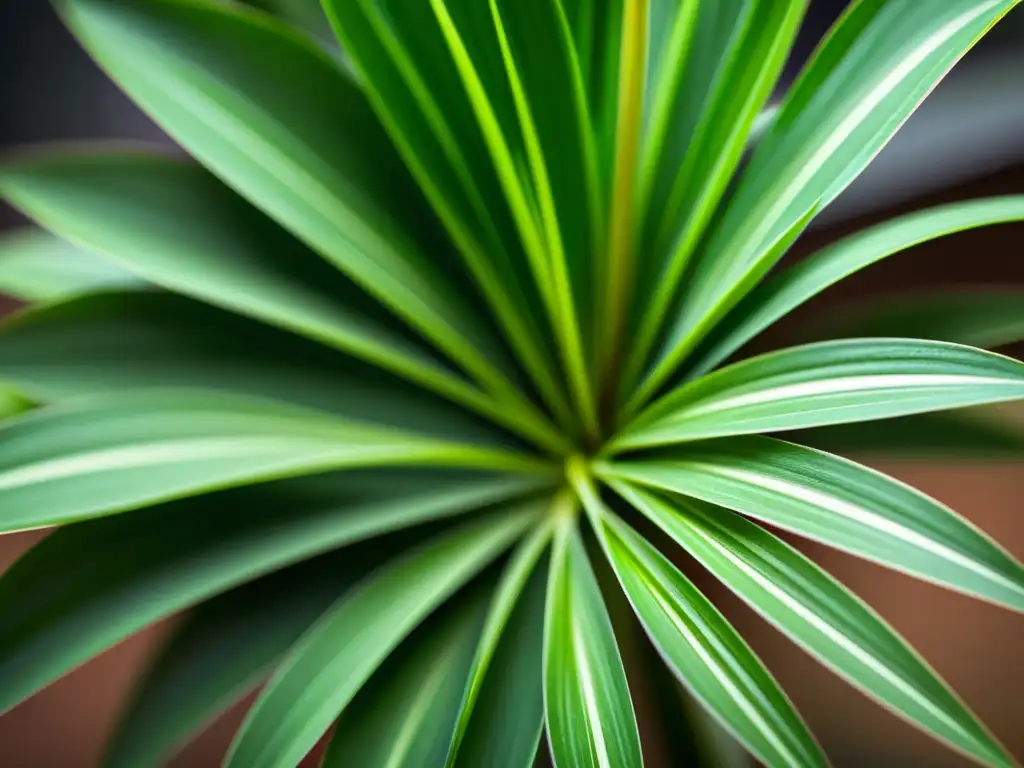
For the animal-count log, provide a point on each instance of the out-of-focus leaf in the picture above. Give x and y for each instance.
(839, 503)
(328, 667)
(36, 266)
(219, 652)
(779, 295)
(61, 605)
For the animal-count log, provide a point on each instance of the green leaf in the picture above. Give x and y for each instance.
(220, 652)
(779, 295)
(143, 340)
(326, 669)
(590, 716)
(416, 89)
(405, 713)
(839, 503)
(547, 86)
(129, 207)
(106, 454)
(927, 435)
(709, 92)
(979, 318)
(703, 650)
(13, 403)
(501, 716)
(706, 653)
(827, 383)
(36, 266)
(878, 63)
(60, 604)
(222, 82)
(822, 616)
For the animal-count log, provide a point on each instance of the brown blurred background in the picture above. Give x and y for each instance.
(966, 142)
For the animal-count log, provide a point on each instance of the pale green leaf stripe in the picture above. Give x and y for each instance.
(869, 75)
(36, 266)
(590, 716)
(107, 454)
(129, 207)
(707, 654)
(219, 653)
(780, 295)
(839, 503)
(221, 81)
(326, 669)
(60, 606)
(427, 112)
(821, 615)
(404, 715)
(701, 647)
(512, 729)
(980, 318)
(827, 383)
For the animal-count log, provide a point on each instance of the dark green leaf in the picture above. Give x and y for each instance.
(326, 669)
(60, 604)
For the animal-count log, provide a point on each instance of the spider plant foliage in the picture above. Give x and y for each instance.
(412, 385)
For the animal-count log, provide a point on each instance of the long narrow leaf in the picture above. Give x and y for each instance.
(841, 504)
(404, 715)
(590, 716)
(108, 454)
(828, 383)
(331, 663)
(822, 616)
(501, 715)
(878, 63)
(61, 605)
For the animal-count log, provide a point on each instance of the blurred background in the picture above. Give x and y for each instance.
(966, 141)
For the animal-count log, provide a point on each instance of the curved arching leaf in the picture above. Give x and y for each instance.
(222, 82)
(128, 341)
(405, 714)
(60, 604)
(839, 503)
(100, 455)
(129, 207)
(876, 65)
(779, 295)
(332, 662)
(37, 266)
(827, 383)
(590, 718)
(501, 716)
(220, 652)
(819, 614)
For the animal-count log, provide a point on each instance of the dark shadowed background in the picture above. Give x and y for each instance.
(966, 141)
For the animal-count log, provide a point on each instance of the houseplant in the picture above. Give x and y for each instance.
(434, 332)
